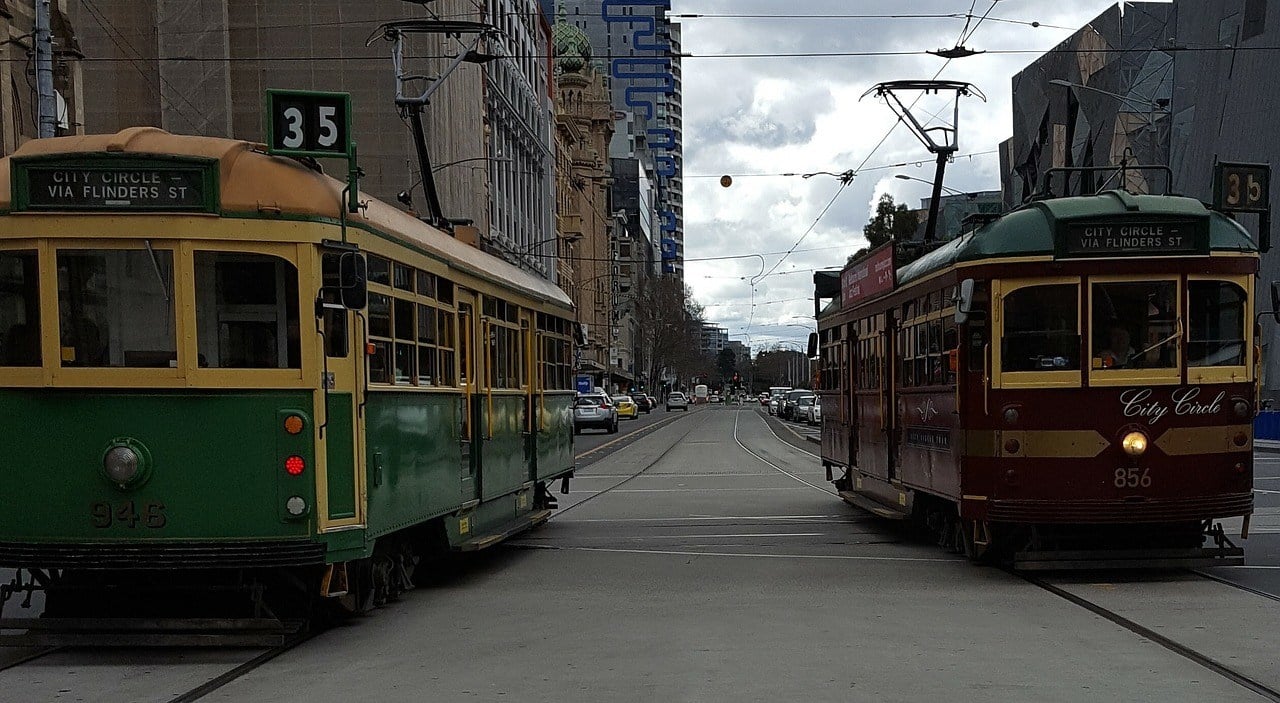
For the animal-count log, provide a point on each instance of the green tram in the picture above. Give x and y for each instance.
(209, 369)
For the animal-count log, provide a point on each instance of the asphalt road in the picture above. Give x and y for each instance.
(707, 560)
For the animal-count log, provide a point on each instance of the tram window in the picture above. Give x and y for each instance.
(1217, 324)
(426, 284)
(444, 291)
(19, 309)
(380, 363)
(1134, 325)
(403, 277)
(379, 315)
(379, 270)
(336, 344)
(1041, 329)
(247, 311)
(446, 345)
(950, 342)
(115, 308)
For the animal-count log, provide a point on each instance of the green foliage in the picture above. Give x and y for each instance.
(891, 221)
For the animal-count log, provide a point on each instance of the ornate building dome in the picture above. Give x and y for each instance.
(571, 45)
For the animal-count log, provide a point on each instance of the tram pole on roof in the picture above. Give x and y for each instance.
(47, 102)
(941, 140)
(411, 106)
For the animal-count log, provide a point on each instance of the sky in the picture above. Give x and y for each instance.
(746, 116)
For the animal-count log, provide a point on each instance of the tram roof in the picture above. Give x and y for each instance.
(253, 183)
(1030, 230)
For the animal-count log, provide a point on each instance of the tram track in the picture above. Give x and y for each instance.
(1244, 680)
(30, 657)
(232, 675)
(701, 421)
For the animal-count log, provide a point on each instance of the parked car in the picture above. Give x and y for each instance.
(626, 407)
(764, 399)
(677, 401)
(787, 409)
(804, 405)
(653, 402)
(715, 398)
(774, 405)
(644, 402)
(815, 414)
(594, 411)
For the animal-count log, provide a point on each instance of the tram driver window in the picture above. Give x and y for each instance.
(19, 309)
(1134, 325)
(1217, 324)
(246, 311)
(1041, 329)
(115, 308)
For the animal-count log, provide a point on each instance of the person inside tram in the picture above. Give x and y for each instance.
(1119, 351)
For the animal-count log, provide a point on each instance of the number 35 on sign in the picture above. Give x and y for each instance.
(308, 123)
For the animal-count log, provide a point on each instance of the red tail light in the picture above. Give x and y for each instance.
(604, 407)
(295, 465)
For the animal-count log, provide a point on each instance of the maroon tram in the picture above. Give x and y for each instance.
(1071, 383)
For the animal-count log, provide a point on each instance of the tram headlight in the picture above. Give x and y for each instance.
(296, 505)
(1134, 444)
(121, 464)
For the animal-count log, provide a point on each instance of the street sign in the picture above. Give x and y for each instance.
(584, 384)
(309, 123)
(1242, 187)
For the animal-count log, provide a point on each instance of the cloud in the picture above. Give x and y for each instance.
(772, 115)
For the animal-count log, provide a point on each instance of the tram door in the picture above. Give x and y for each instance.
(875, 408)
(340, 405)
(468, 377)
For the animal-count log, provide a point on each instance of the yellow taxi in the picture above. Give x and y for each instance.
(626, 406)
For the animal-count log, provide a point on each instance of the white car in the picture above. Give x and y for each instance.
(813, 414)
(677, 401)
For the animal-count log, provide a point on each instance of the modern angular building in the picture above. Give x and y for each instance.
(1099, 97)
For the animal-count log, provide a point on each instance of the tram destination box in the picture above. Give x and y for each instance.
(1121, 238)
(115, 184)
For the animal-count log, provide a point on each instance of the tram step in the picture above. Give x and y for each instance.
(485, 541)
(872, 506)
(147, 632)
(1128, 559)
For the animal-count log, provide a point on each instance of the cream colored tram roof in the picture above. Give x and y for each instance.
(251, 182)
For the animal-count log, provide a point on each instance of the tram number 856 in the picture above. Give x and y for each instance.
(128, 515)
(1132, 478)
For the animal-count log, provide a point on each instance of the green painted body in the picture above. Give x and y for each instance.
(1031, 230)
(555, 437)
(216, 465)
(413, 458)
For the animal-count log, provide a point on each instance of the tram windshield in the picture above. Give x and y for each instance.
(19, 309)
(1135, 325)
(1042, 329)
(246, 311)
(1217, 324)
(115, 308)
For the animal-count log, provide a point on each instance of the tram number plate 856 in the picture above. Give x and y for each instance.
(1132, 477)
(129, 514)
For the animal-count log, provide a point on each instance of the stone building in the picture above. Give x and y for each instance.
(17, 89)
(584, 126)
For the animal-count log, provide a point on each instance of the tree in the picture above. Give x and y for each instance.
(891, 222)
(726, 364)
(668, 322)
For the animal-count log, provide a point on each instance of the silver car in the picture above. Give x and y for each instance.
(592, 410)
(677, 401)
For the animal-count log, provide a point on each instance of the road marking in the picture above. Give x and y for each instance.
(703, 490)
(708, 517)
(702, 536)
(775, 436)
(1252, 568)
(758, 555)
(651, 474)
(629, 435)
(1260, 490)
(770, 463)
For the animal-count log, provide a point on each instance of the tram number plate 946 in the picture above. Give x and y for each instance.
(1132, 477)
(129, 514)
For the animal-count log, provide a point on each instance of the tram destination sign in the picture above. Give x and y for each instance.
(1132, 238)
(869, 277)
(115, 184)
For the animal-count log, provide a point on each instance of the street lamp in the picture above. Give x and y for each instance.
(949, 189)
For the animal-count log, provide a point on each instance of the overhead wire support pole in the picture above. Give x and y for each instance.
(47, 103)
(411, 106)
(946, 143)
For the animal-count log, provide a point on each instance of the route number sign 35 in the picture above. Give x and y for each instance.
(309, 123)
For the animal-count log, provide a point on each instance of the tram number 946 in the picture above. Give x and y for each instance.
(1132, 477)
(127, 514)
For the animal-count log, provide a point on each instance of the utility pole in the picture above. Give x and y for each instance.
(47, 103)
